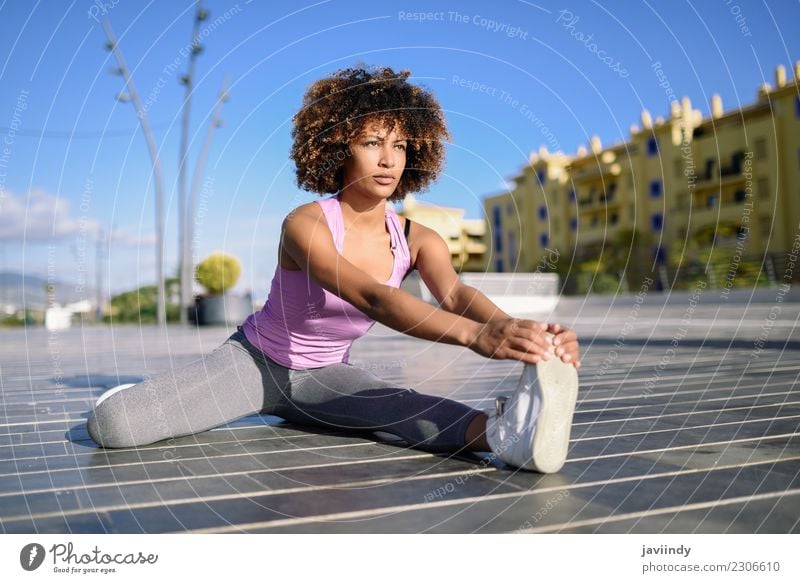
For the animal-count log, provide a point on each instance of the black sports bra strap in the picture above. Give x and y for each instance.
(406, 229)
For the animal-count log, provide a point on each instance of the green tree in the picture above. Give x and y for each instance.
(140, 305)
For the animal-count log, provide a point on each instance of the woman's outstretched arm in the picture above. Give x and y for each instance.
(308, 240)
(436, 270)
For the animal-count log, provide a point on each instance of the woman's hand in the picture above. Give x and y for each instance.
(526, 340)
(514, 338)
(566, 345)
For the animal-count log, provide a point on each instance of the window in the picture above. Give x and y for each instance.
(657, 221)
(541, 176)
(797, 105)
(572, 195)
(709, 169)
(614, 218)
(544, 239)
(498, 228)
(542, 212)
(736, 162)
(660, 254)
(761, 149)
(573, 224)
(612, 189)
(655, 188)
(711, 200)
(652, 146)
(499, 265)
(739, 196)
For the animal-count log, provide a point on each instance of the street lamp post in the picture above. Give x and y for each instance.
(184, 260)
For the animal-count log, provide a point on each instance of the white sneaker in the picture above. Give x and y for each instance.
(111, 391)
(531, 430)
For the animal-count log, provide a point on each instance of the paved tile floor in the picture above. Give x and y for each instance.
(688, 421)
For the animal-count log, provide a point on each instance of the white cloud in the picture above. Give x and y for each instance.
(39, 216)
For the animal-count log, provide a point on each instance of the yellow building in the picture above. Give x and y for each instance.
(677, 181)
(464, 237)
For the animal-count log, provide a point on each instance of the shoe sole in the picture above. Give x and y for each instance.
(558, 385)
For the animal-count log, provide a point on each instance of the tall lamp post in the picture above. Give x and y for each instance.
(213, 124)
(184, 260)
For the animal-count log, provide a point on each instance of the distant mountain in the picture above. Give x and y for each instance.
(19, 289)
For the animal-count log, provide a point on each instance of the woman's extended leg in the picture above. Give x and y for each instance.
(346, 397)
(230, 382)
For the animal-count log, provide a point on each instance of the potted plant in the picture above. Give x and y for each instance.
(218, 273)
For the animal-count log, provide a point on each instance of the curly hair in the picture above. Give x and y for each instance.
(337, 108)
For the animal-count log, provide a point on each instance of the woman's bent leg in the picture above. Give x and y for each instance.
(225, 385)
(346, 397)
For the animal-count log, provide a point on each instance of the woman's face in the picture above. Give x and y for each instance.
(376, 161)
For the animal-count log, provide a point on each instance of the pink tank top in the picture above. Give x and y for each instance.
(302, 325)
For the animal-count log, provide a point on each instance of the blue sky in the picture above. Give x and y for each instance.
(511, 76)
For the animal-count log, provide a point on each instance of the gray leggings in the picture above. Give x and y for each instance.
(237, 380)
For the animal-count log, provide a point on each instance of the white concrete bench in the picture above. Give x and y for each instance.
(515, 293)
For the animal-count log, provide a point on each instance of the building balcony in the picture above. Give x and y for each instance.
(719, 181)
(596, 171)
(595, 234)
(727, 212)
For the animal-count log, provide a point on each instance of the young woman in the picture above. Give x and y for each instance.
(369, 136)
